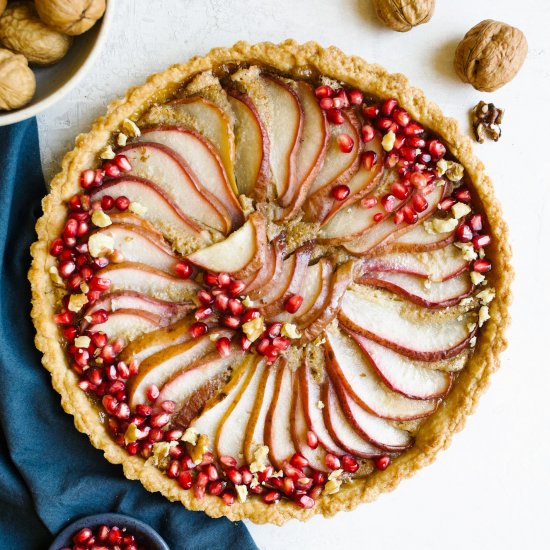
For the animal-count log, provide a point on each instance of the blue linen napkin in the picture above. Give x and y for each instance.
(49, 472)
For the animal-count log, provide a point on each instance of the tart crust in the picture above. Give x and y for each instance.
(296, 59)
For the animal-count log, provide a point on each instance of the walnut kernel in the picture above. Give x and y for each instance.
(17, 82)
(70, 17)
(403, 15)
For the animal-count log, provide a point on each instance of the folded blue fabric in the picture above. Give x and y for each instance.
(49, 472)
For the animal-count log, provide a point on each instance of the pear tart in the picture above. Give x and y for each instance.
(271, 282)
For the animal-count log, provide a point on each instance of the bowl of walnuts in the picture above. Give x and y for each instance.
(46, 48)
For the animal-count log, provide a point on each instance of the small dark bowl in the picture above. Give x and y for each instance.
(144, 534)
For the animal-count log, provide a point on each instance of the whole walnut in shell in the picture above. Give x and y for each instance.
(70, 16)
(22, 31)
(403, 15)
(17, 82)
(490, 55)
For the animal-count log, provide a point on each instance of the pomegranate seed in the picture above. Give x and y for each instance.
(71, 228)
(100, 263)
(250, 315)
(168, 406)
(324, 91)
(203, 312)
(265, 474)
(228, 498)
(346, 143)
(281, 343)
(398, 142)
(64, 318)
(122, 163)
(418, 180)
(335, 116)
(481, 266)
(66, 268)
(332, 462)
(340, 192)
(152, 392)
(464, 233)
(371, 111)
(326, 103)
(388, 202)
(369, 202)
(246, 475)
(271, 497)
(409, 215)
(216, 487)
(198, 329)
(391, 159)
(236, 287)
(303, 501)
(384, 124)
(102, 533)
(122, 411)
(355, 97)
(221, 301)
(369, 158)
(70, 333)
(56, 247)
(159, 420)
(446, 204)
(401, 117)
(292, 472)
(111, 170)
(87, 178)
(212, 472)
(299, 461)
(388, 106)
(399, 190)
(211, 279)
(274, 329)
(408, 153)
(337, 103)
(228, 461)
(231, 321)
(271, 354)
(262, 345)
(183, 269)
(287, 486)
(378, 217)
(107, 202)
(74, 203)
(99, 283)
(185, 479)
(312, 440)
(463, 194)
(436, 149)
(398, 217)
(367, 133)
(382, 462)
(419, 203)
(99, 317)
(343, 97)
(349, 464)
(223, 345)
(224, 279)
(83, 535)
(144, 410)
(204, 297)
(132, 448)
(481, 241)
(122, 203)
(476, 222)
(293, 303)
(245, 343)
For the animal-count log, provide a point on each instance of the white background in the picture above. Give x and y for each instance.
(491, 488)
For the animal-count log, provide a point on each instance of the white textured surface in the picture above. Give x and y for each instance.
(490, 490)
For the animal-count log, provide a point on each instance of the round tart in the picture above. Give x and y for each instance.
(271, 282)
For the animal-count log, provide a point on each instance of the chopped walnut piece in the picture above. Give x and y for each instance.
(486, 120)
(196, 453)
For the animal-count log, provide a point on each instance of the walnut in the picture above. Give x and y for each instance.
(17, 82)
(403, 15)
(3, 4)
(70, 16)
(22, 31)
(486, 120)
(490, 55)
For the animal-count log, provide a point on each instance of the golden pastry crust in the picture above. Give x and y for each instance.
(291, 58)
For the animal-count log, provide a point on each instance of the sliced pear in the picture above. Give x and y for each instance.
(204, 162)
(241, 253)
(147, 280)
(127, 218)
(128, 324)
(419, 240)
(420, 290)
(404, 328)
(279, 270)
(230, 437)
(163, 167)
(277, 434)
(304, 319)
(265, 272)
(354, 371)
(277, 288)
(251, 147)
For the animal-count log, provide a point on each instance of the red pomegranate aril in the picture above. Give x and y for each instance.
(221, 301)
(382, 462)
(102, 533)
(271, 497)
(71, 228)
(110, 372)
(398, 217)
(152, 392)
(144, 410)
(98, 317)
(332, 462)
(212, 472)
(399, 190)
(185, 479)
(436, 148)
(230, 321)
(378, 217)
(349, 464)
(391, 160)
(99, 283)
(132, 448)
(216, 487)
(86, 273)
(69, 242)
(211, 279)
(416, 142)
(82, 357)
(74, 203)
(74, 281)
(265, 474)
(56, 248)
(244, 342)
(274, 329)
(122, 411)
(312, 440)
(324, 91)
(462, 194)
(281, 343)
(398, 142)
(346, 143)
(203, 312)
(228, 498)
(481, 241)
(228, 461)
(183, 269)
(388, 202)
(326, 103)
(419, 203)
(100, 263)
(236, 287)
(198, 329)
(94, 376)
(66, 268)
(246, 475)
(476, 222)
(401, 117)
(304, 484)
(481, 266)
(343, 97)
(368, 158)
(224, 279)
(122, 162)
(271, 354)
(81, 260)
(262, 345)
(69, 333)
(319, 478)
(355, 97)
(87, 178)
(250, 314)
(293, 303)
(413, 129)
(388, 106)
(83, 535)
(464, 233)
(111, 170)
(292, 471)
(408, 153)
(418, 180)
(409, 215)
(340, 192)
(384, 124)
(234, 476)
(107, 202)
(299, 461)
(337, 103)
(204, 297)
(304, 501)
(287, 486)
(335, 116)
(446, 204)
(82, 229)
(168, 406)
(371, 111)
(122, 203)
(159, 420)
(107, 353)
(115, 535)
(315, 492)
(223, 345)
(369, 202)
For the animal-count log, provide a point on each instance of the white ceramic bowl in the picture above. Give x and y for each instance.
(55, 82)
